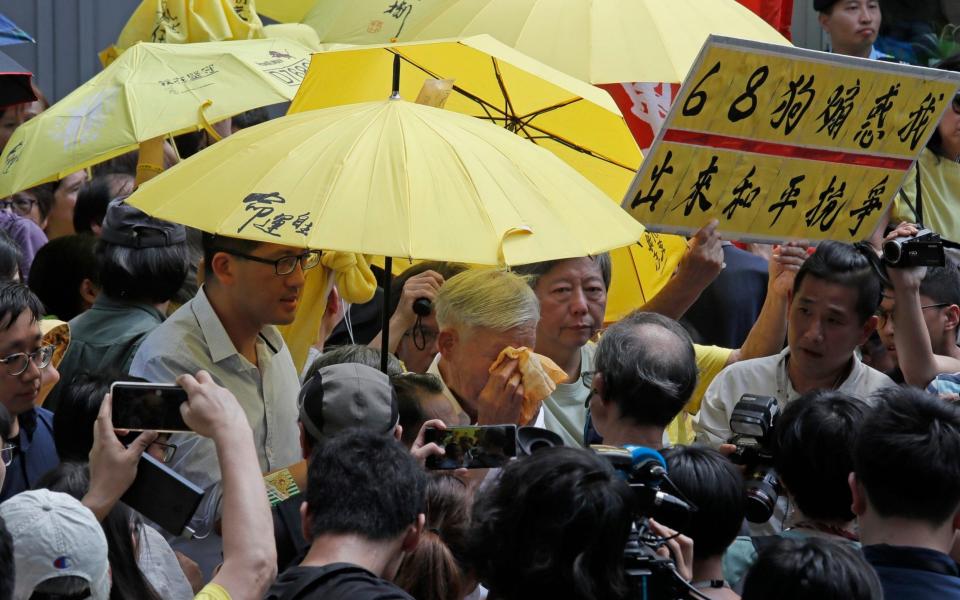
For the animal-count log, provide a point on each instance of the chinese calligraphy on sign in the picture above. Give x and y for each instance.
(781, 143)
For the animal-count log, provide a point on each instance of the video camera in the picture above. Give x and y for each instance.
(752, 422)
(649, 574)
(925, 249)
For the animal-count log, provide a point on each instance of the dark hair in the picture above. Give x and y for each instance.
(445, 269)
(58, 271)
(77, 409)
(813, 451)
(912, 434)
(364, 483)
(10, 257)
(7, 575)
(437, 568)
(249, 118)
(15, 298)
(218, 243)
(553, 526)
(935, 143)
(534, 271)
(842, 264)
(942, 284)
(93, 198)
(353, 353)
(124, 164)
(121, 527)
(715, 486)
(6, 422)
(149, 275)
(409, 387)
(649, 367)
(798, 569)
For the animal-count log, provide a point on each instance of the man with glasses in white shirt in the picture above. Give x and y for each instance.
(28, 448)
(228, 330)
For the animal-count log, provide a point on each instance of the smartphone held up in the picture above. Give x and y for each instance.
(148, 406)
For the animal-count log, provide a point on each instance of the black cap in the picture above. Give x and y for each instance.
(125, 225)
(823, 5)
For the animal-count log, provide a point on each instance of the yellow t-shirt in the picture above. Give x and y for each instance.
(940, 185)
(710, 361)
(212, 591)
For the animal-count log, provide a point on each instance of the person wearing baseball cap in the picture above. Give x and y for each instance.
(335, 398)
(852, 25)
(142, 263)
(59, 547)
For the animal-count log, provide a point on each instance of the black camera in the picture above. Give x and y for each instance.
(649, 574)
(752, 422)
(925, 249)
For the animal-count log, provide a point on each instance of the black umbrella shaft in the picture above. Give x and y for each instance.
(385, 321)
(396, 74)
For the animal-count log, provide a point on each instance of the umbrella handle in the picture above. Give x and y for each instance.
(206, 124)
(149, 160)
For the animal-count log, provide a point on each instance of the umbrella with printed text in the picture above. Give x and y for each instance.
(395, 179)
(150, 91)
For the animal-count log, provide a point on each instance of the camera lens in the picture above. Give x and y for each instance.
(761, 489)
(892, 251)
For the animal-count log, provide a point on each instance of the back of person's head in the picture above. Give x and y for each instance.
(363, 483)
(345, 396)
(410, 389)
(10, 257)
(58, 546)
(212, 244)
(942, 284)
(140, 259)
(813, 452)
(353, 353)
(486, 299)
(6, 421)
(553, 526)
(935, 143)
(907, 456)
(443, 268)
(59, 270)
(842, 264)
(77, 409)
(534, 271)
(7, 568)
(15, 299)
(120, 526)
(438, 569)
(95, 196)
(649, 367)
(799, 569)
(715, 486)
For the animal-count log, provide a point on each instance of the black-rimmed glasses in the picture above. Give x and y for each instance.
(168, 450)
(17, 363)
(285, 264)
(883, 316)
(18, 204)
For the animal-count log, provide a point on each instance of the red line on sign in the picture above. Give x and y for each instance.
(726, 142)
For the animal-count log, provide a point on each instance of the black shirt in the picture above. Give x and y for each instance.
(908, 573)
(337, 581)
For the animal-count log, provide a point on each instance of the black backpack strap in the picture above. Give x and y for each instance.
(319, 575)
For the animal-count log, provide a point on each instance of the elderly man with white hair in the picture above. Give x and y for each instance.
(479, 313)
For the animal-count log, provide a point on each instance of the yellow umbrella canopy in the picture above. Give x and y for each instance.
(391, 178)
(574, 120)
(599, 41)
(150, 91)
(187, 22)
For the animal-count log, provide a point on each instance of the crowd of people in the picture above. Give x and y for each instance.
(634, 477)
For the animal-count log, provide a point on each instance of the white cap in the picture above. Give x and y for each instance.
(55, 536)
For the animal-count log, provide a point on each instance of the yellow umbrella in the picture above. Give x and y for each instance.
(576, 121)
(599, 41)
(187, 22)
(391, 178)
(152, 90)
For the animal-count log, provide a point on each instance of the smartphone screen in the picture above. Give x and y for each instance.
(148, 406)
(475, 447)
